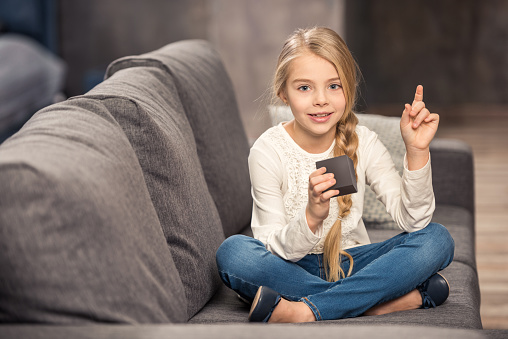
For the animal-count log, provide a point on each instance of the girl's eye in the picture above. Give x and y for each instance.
(304, 88)
(335, 86)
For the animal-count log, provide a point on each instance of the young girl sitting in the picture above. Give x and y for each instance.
(311, 257)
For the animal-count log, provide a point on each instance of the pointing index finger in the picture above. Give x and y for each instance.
(418, 94)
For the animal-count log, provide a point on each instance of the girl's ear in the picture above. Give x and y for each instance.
(283, 97)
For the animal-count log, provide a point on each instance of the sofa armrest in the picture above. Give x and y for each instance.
(453, 173)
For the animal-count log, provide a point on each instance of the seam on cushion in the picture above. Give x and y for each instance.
(134, 62)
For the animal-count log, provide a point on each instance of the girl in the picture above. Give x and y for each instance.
(311, 257)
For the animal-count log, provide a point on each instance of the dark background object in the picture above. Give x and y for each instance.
(38, 19)
(458, 49)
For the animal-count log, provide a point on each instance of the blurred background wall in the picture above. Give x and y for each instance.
(248, 34)
(458, 49)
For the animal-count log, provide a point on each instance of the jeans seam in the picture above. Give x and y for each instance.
(248, 282)
(313, 308)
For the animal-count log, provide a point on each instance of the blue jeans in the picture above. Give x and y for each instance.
(381, 271)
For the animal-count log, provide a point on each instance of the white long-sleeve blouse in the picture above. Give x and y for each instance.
(279, 173)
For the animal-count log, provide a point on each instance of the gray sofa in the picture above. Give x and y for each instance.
(113, 204)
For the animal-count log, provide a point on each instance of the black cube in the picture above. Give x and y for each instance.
(343, 169)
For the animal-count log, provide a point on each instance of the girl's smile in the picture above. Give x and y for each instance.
(320, 117)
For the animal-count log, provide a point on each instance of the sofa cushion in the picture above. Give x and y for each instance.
(208, 99)
(79, 237)
(388, 131)
(147, 107)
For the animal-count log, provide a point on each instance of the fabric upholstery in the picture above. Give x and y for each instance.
(453, 173)
(388, 131)
(148, 109)
(80, 240)
(213, 115)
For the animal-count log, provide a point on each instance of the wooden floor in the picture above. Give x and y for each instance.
(486, 130)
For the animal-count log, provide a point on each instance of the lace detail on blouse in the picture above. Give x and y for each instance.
(298, 165)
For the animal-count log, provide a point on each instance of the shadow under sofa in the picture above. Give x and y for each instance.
(114, 202)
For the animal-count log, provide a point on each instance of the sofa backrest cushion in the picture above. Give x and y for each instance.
(208, 98)
(388, 131)
(162, 138)
(79, 237)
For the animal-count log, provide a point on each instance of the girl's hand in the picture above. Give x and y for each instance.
(318, 205)
(418, 127)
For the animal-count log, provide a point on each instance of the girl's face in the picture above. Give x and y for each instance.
(314, 93)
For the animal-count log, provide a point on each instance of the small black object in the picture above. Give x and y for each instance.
(344, 171)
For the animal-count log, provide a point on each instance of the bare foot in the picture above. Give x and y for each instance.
(410, 301)
(291, 312)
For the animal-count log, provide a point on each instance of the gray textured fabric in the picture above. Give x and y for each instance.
(208, 98)
(453, 173)
(458, 221)
(461, 310)
(160, 134)
(279, 331)
(496, 334)
(80, 240)
(388, 131)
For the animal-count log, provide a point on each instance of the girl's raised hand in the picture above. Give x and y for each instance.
(318, 205)
(417, 125)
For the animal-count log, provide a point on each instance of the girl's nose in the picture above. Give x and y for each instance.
(320, 98)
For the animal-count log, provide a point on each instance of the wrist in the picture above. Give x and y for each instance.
(312, 221)
(417, 158)
(413, 150)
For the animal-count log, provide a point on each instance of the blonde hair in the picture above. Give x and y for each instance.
(328, 45)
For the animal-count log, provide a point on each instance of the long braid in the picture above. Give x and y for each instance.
(346, 143)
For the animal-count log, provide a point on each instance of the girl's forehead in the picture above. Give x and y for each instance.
(310, 65)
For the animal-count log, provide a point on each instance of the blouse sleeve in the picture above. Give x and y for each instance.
(410, 199)
(289, 239)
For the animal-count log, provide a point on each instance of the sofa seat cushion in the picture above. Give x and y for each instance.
(79, 237)
(208, 99)
(457, 220)
(145, 102)
(461, 310)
